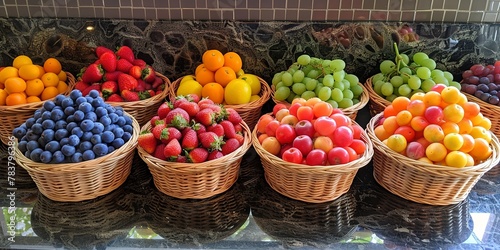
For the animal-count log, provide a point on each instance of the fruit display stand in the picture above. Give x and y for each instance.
(250, 112)
(196, 180)
(84, 180)
(423, 182)
(313, 184)
(352, 111)
(377, 103)
(144, 110)
(13, 116)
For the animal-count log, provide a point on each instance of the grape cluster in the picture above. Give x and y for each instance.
(314, 77)
(407, 33)
(483, 82)
(403, 77)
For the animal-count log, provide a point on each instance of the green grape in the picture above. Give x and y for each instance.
(423, 73)
(325, 93)
(355, 101)
(337, 65)
(455, 84)
(338, 85)
(339, 75)
(298, 88)
(347, 84)
(277, 78)
(307, 69)
(318, 88)
(405, 73)
(387, 66)
(279, 85)
(357, 90)
(414, 82)
(326, 64)
(348, 94)
(291, 70)
(429, 63)
(404, 90)
(333, 103)
(427, 85)
(378, 76)
(448, 76)
(328, 80)
(353, 79)
(405, 58)
(298, 76)
(437, 72)
(337, 95)
(396, 81)
(294, 67)
(308, 95)
(287, 79)
(282, 93)
(292, 96)
(314, 61)
(314, 73)
(345, 103)
(441, 79)
(310, 83)
(320, 79)
(387, 89)
(391, 98)
(419, 57)
(304, 59)
(377, 86)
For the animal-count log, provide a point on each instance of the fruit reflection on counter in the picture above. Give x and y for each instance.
(119, 76)
(25, 82)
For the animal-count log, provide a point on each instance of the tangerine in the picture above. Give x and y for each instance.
(481, 150)
(50, 79)
(15, 85)
(224, 75)
(204, 76)
(8, 72)
(34, 87)
(62, 87)
(49, 93)
(62, 76)
(3, 95)
(233, 61)
(213, 91)
(29, 72)
(436, 152)
(213, 59)
(31, 99)
(20, 61)
(52, 65)
(15, 99)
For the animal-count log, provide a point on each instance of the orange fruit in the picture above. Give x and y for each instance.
(397, 142)
(34, 87)
(3, 95)
(453, 141)
(41, 70)
(468, 143)
(15, 85)
(62, 87)
(62, 76)
(8, 72)
(480, 132)
(213, 59)
(400, 103)
(50, 79)
(52, 65)
(204, 76)
(20, 61)
(15, 99)
(436, 152)
(456, 159)
(224, 75)
(450, 95)
(432, 98)
(233, 61)
(213, 91)
(31, 99)
(471, 109)
(199, 67)
(481, 150)
(381, 133)
(49, 93)
(29, 72)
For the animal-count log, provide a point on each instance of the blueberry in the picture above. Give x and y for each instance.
(79, 115)
(110, 109)
(80, 100)
(41, 142)
(75, 94)
(128, 128)
(31, 136)
(110, 149)
(110, 127)
(27, 154)
(58, 157)
(37, 114)
(61, 124)
(76, 157)
(19, 132)
(120, 121)
(46, 115)
(39, 121)
(35, 154)
(114, 117)
(85, 145)
(119, 112)
(22, 145)
(69, 110)
(70, 118)
(126, 136)
(89, 99)
(118, 108)
(58, 100)
(107, 136)
(29, 122)
(46, 157)
(49, 105)
(32, 145)
(73, 140)
(57, 114)
(98, 128)
(96, 139)
(64, 141)
(37, 128)
(67, 103)
(47, 135)
(48, 124)
(68, 150)
(71, 126)
(86, 136)
(97, 102)
(100, 149)
(118, 142)
(77, 131)
(105, 120)
(60, 133)
(87, 125)
(128, 120)
(100, 112)
(91, 116)
(24, 138)
(85, 107)
(93, 93)
(118, 132)
(23, 126)
(88, 155)
(52, 146)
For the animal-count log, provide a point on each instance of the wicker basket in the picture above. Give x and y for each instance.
(377, 103)
(85, 180)
(314, 184)
(250, 112)
(144, 110)
(20, 175)
(489, 111)
(14, 116)
(352, 111)
(423, 182)
(196, 181)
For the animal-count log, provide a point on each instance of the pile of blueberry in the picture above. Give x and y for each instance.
(73, 129)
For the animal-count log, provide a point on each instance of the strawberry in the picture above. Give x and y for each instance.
(181, 159)
(148, 86)
(159, 152)
(126, 82)
(164, 109)
(144, 95)
(125, 52)
(157, 129)
(240, 138)
(96, 86)
(108, 61)
(210, 141)
(148, 74)
(112, 76)
(130, 96)
(217, 129)
(178, 118)
(169, 133)
(114, 98)
(141, 85)
(190, 139)
(80, 85)
(139, 62)
(151, 92)
(205, 101)
(158, 92)
(229, 130)
(147, 141)
(178, 100)
(135, 71)
(108, 88)
(198, 155)
(123, 65)
(172, 150)
(216, 108)
(230, 146)
(199, 128)
(93, 73)
(154, 121)
(157, 83)
(205, 117)
(233, 116)
(216, 154)
(101, 50)
(193, 98)
(191, 108)
(238, 128)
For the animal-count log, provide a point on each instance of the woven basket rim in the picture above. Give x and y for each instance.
(148, 101)
(30, 165)
(434, 169)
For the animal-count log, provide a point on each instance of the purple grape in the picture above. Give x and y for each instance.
(478, 93)
(497, 78)
(473, 80)
(486, 71)
(492, 86)
(484, 96)
(477, 70)
(470, 89)
(490, 77)
(483, 87)
(494, 100)
(494, 92)
(498, 94)
(466, 74)
(484, 80)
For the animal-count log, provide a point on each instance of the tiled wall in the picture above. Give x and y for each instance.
(450, 11)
